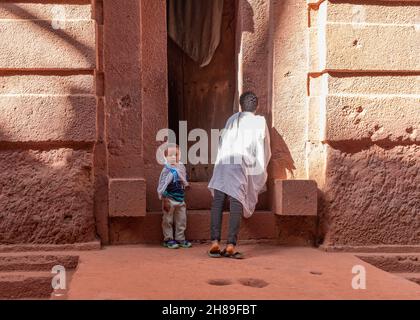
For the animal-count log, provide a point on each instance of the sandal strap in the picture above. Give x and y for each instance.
(236, 255)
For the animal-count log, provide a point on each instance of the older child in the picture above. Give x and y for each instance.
(171, 190)
(246, 141)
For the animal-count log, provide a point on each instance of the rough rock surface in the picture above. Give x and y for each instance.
(46, 196)
(372, 196)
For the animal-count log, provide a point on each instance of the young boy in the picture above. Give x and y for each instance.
(171, 190)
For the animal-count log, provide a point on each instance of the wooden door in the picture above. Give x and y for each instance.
(203, 97)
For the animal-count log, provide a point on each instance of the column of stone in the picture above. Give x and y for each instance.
(100, 149)
(123, 108)
(289, 34)
(154, 90)
(252, 39)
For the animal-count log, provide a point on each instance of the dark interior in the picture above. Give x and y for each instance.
(204, 96)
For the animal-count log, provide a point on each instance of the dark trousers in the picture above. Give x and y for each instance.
(217, 214)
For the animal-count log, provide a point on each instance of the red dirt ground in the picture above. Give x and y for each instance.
(269, 272)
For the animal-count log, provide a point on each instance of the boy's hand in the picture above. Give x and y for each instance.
(187, 187)
(166, 204)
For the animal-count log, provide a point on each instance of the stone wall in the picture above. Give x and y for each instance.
(83, 95)
(47, 122)
(364, 120)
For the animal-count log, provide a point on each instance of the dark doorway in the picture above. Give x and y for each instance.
(203, 96)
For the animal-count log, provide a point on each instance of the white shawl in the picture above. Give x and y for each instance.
(244, 151)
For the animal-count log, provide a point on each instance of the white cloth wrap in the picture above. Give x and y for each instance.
(246, 137)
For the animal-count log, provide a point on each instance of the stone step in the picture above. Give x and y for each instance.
(27, 275)
(36, 262)
(394, 263)
(25, 285)
(412, 276)
(40, 247)
(261, 226)
(198, 197)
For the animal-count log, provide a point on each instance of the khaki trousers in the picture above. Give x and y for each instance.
(177, 215)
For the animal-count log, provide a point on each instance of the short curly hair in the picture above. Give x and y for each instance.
(248, 101)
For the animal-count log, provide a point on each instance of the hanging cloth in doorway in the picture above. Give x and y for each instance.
(195, 25)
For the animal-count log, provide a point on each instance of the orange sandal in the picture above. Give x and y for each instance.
(233, 255)
(215, 252)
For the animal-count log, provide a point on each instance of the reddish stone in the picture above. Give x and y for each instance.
(372, 197)
(48, 118)
(127, 198)
(45, 10)
(46, 197)
(46, 83)
(35, 44)
(154, 80)
(122, 68)
(262, 225)
(296, 197)
(198, 196)
(130, 272)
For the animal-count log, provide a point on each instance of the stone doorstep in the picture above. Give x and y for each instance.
(198, 197)
(261, 226)
(147, 230)
(25, 285)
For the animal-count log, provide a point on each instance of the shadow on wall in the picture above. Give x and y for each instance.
(291, 230)
(46, 176)
(46, 188)
(282, 160)
(74, 45)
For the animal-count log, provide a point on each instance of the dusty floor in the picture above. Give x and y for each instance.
(269, 272)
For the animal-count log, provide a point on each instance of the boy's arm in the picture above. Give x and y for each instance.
(161, 189)
(185, 176)
(161, 184)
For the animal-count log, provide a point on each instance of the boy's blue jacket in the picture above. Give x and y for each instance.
(166, 176)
